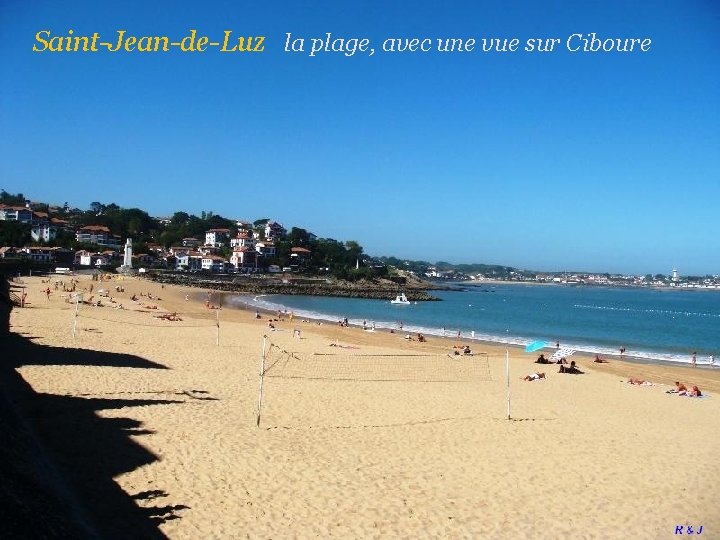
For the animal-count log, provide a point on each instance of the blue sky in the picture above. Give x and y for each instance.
(550, 161)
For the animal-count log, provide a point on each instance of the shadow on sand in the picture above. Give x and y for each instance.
(58, 463)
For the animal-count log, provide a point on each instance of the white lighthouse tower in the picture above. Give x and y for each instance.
(674, 276)
(127, 258)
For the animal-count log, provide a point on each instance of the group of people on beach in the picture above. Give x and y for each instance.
(682, 390)
(693, 360)
(464, 350)
(572, 368)
(542, 360)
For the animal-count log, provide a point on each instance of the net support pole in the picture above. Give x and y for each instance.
(77, 303)
(262, 379)
(507, 374)
(217, 323)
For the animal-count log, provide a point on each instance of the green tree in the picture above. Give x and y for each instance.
(12, 200)
(179, 219)
(299, 237)
(14, 234)
(97, 207)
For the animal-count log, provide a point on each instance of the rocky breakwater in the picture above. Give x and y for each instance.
(381, 289)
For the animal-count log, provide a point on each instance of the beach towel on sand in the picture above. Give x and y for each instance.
(561, 353)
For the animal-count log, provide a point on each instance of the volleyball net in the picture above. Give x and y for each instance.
(117, 315)
(397, 367)
(423, 367)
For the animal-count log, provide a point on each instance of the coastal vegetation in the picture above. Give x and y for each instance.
(341, 259)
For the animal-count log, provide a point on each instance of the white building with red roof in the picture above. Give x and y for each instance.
(244, 257)
(97, 234)
(18, 213)
(243, 239)
(266, 248)
(213, 263)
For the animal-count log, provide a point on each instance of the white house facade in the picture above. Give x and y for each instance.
(244, 257)
(44, 232)
(217, 237)
(97, 234)
(213, 263)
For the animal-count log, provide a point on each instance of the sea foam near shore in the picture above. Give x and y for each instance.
(599, 324)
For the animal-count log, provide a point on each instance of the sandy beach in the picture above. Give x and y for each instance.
(153, 424)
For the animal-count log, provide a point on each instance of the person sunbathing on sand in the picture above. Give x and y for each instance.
(169, 317)
(679, 389)
(600, 360)
(571, 369)
(694, 392)
(534, 377)
(542, 360)
(635, 380)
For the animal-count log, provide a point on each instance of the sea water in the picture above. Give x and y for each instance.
(652, 324)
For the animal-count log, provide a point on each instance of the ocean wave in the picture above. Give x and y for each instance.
(658, 311)
(266, 303)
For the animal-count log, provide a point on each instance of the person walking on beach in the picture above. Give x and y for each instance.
(622, 351)
(694, 359)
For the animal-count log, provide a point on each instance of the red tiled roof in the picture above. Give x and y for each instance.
(300, 250)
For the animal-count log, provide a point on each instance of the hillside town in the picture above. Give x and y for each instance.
(47, 235)
(249, 246)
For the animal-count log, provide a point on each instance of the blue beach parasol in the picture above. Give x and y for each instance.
(536, 346)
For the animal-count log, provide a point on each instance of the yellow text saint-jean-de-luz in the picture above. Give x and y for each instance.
(45, 41)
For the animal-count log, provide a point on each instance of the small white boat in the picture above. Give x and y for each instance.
(401, 299)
